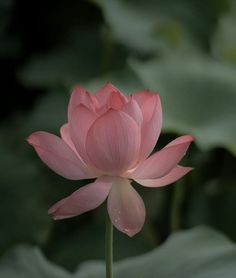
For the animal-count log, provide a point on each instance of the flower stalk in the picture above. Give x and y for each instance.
(109, 247)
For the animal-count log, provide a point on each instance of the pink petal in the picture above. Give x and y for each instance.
(58, 156)
(80, 121)
(174, 175)
(125, 207)
(81, 96)
(142, 96)
(84, 199)
(103, 94)
(116, 100)
(65, 135)
(152, 123)
(179, 140)
(133, 110)
(113, 142)
(162, 162)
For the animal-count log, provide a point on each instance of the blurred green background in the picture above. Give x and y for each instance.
(183, 49)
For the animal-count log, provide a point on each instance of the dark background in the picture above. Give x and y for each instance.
(184, 49)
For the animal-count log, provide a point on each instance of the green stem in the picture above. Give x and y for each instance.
(176, 205)
(109, 247)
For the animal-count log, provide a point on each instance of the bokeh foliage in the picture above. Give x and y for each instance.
(206, 254)
(184, 49)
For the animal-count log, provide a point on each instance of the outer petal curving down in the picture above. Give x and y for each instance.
(58, 156)
(174, 175)
(161, 163)
(82, 200)
(126, 207)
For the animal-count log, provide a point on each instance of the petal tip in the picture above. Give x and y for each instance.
(108, 83)
(79, 107)
(190, 169)
(54, 215)
(29, 139)
(32, 138)
(78, 89)
(190, 138)
(186, 169)
(52, 210)
(130, 232)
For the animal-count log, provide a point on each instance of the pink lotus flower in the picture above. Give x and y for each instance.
(110, 136)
